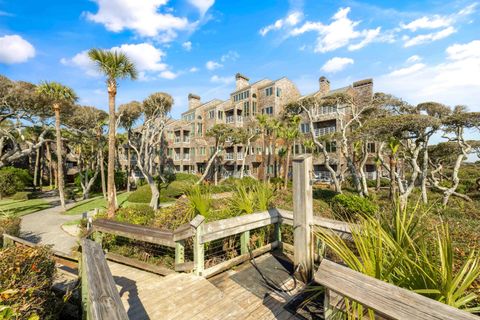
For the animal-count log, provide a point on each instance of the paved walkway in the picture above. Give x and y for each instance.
(45, 227)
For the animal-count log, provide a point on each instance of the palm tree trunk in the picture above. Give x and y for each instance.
(61, 183)
(287, 160)
(102, 173)
(393, 189)
(111, 154)
(50, 170)
(42, 163)
(129, 166)
(35, 170)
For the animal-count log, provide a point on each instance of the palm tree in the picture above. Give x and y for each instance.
(289, 132)
(263, 125)
(115, 65)
(59, 95)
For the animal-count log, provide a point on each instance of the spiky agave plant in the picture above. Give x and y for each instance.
(397, 253)
(199, 202)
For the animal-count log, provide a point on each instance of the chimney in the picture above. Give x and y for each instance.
(364, 90)
(241, 81)
(193, 101)
(324, 85)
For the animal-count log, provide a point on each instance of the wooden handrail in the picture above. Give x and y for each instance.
(100, 296)
(136, 232)
(385, 299)
(228, 227)
(337, 226)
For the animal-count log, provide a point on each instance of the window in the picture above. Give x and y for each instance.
(220, 115)
(259, 150)
(279, 92)
(254, 108)
(371, 147)
(241, 96)
(331, 146)
(189, 117)
(212, 150)
(305, 127)
(267, 110)
(269, 91)
(199, 129)
(246, 108)
(211, 114)
(202, 151)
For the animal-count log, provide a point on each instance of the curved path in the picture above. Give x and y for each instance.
(45, 227)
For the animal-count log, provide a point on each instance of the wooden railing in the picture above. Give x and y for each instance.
(100, 297)
(386, 300)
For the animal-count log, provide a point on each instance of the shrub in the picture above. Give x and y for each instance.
(21, 195)
(143, 194)
(13, 180)
(181, 176)
(138, 214)
(25, 290)
(347, 206)
(9, 224)
(384, 182)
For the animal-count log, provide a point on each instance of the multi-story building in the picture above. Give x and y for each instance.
(189, 149)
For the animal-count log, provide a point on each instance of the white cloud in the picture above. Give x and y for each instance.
(230, 56)
(429, 37)
(223, 80)
(414, 58)
(445, 24)
(15, 49)
(202, 5)
(339, 33)
(336, 64)
(143, 17)
(187, 45)
(212, 65)
(289, 21)
(167, 74)
(146, 57)
(193, 69)
(454, 81)
(407, 70)
(433, 22)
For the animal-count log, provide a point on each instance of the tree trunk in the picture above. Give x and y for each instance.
(102, 173)
(111, 153)
(42, 158)
(61, 183)
(393, 189)
(209, 164)
(287, 161)
(424, 174)
(50, 170)
(363, 178)
(245, 153)
(88, 185)
(35, 170)
(155, 192)
(129, 156)
(378, 176)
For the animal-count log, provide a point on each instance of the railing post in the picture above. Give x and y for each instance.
(179, 252)
(244, 242)
(7, 241)
(198, 246)
(303, 216)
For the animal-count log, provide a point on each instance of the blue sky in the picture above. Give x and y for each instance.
(418, 50)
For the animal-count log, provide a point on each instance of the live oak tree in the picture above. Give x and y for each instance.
(245, 136)
(59, 96)
(223, 135)
(83, 125)
(130, 113)
(146, 140)
(21, 107)
(114, 65)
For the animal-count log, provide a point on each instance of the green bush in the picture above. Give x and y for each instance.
(138, 214)
(384, 182)
(21, 195)
(9, 224)
(180, 176)
(13, 180)
(120, 181)
(143, 194)
(347, 206)
(26, 289)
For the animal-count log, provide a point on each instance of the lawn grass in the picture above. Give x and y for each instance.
(96, 202)
(23, 207)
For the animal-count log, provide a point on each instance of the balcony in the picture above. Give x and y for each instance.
(176, 157)
(239, 118)
(229, 119)
(322, 176)
(239, 155)
(229, 156)
(324, 131)
(186, 156)
(186, 139)
(178, 139)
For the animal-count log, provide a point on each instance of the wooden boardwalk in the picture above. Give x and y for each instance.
(236, 294)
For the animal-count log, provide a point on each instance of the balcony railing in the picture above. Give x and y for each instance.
(323, 176)
(239, 155)
(176, 157)
(324, 131)
(229, 156)
(239, 118)
(186, 156)
(186, 139)
(177, 139)
(229, 119)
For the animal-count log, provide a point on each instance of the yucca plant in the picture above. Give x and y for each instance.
(398, 252)
(243, 201)
(263, 195)
(199, 202)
